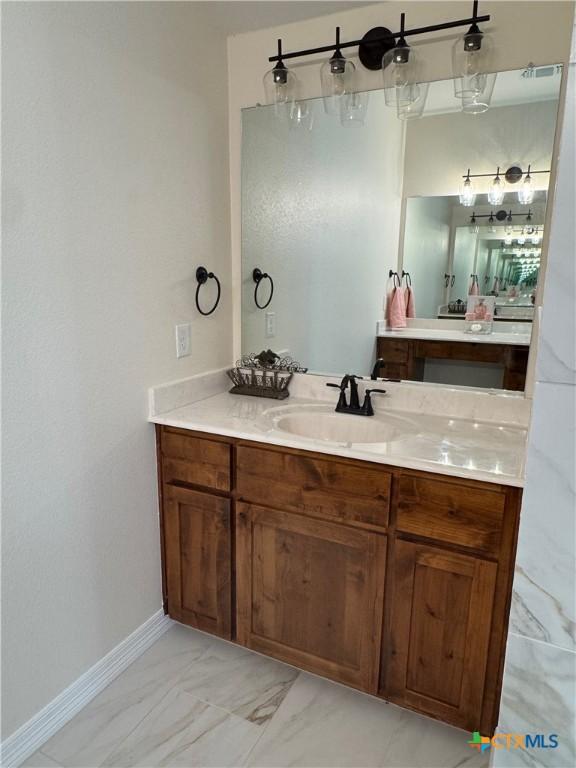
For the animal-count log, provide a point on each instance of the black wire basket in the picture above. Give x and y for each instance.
(264, 375)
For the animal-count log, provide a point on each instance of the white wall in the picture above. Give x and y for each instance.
(543, 28)
(425, 251)
(115, 188)
(321, 215)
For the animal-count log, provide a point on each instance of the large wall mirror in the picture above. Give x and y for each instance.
(337, 211)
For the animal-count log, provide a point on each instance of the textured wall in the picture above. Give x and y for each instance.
(115, 171)
(321, 212)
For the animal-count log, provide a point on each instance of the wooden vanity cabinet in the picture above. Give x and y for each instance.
(393, 581)
(311, 593)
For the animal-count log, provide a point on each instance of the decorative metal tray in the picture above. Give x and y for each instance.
(264, 375)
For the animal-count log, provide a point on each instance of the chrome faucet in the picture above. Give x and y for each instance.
(354, 407)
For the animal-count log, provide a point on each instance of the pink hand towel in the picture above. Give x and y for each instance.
(397, 309)
(410, 306)
(473, 290)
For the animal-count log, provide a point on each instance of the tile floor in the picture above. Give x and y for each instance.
(194, 700)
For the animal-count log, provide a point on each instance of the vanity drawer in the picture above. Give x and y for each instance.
(460, 514)
(195, 460)
(394, 351)
(326, 489)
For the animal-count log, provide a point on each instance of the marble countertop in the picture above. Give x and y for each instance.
(433, 334)
(477, 450)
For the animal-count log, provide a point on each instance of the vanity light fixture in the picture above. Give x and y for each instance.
(526, 191)
(512, 176)
(496, 191)
(380, 48)
(280, 83)
(336, 78)
(467, 194)
(471, 64)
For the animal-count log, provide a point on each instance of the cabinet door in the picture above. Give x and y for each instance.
(311, 593)
(440, 631)
(198, 559)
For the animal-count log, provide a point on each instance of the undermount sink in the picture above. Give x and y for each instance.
(321, 422)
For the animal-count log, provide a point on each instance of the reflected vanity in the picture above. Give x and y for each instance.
(330, 210)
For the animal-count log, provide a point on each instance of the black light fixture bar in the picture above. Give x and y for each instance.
(500, 215)
(389, 36)
(492, 175)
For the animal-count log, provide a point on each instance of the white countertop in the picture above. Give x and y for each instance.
(458, 447)
(441, 334)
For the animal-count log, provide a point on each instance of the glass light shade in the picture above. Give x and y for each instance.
(508, 241)
(353, 108)
(415, 109)
(402, 71)
(337, 79)
(521, 239)
(508, 229)
(496, 191)
(526, 191)
(467, 195)
(301, 116)
(472, 62)
(280, 86)
(473, 228)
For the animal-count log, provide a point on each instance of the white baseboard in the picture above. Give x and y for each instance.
(30, 736)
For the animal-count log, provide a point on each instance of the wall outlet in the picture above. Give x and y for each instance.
(270, 325)
(183, 340)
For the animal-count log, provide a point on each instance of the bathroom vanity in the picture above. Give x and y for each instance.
(373, 573)
(406, 351)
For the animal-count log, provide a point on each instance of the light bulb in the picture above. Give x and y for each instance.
(471, 65)
(467, 195)
(496, 191)
(402, 73)
(280, 84)
(337, 78)
(526, 191)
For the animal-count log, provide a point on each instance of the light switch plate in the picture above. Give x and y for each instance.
(183, 340)
(270, 325)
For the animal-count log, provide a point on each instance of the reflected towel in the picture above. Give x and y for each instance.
(474, 291)
(396, 314)
(410, 306)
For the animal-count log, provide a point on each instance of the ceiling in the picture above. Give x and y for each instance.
(235, 17)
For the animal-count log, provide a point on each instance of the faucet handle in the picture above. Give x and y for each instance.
(367, 408)
(342, 404)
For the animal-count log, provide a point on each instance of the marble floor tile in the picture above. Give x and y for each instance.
(538, 696)
(239, 681)
(39, 760)
(324, 724)
(95, 731)
(420, 742)
(183, 731)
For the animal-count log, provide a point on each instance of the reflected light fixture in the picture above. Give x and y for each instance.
(402, 71)
(491, 222)
(526, 191)
(496, 191)
(336, 78)
(473, 227)
(353, 108)
(280, 84)
(472, 60)
(467, 195)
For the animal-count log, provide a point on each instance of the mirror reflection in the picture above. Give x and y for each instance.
(409, 249)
